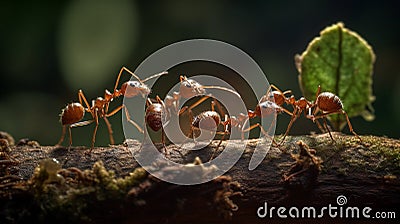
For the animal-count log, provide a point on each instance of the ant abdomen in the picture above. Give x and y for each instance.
(72, 113)
(154, 116)
(329, 102)
(209, 120)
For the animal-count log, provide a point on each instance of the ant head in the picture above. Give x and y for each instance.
(267, 97)
(190, 88)
(278, 97)
(134, 88)
(266, 108)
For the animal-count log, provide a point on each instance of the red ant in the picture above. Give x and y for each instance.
(209, 120)
(326, 102)
(155, 116)
(73, 113)
(212, 119)
(188, 89)
(271, 102)
(298, 106)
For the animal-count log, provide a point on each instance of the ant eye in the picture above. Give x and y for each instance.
(266, 104)
(134, 84)
(187, 85)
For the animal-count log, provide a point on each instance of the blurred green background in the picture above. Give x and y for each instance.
(51, 49)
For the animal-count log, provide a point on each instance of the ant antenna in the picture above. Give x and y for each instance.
(222, 88)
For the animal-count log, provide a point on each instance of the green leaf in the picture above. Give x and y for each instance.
(342, 63)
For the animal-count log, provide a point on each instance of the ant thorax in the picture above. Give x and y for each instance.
(190, 88)
(98, 103)
(302, 103)
(134, 88)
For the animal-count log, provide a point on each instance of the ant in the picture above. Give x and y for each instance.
(154, 117)
(188, 88)
(208, 121)
(73, 113)
(326, 102)
(211, 119)
(271, 102)
(298, 106)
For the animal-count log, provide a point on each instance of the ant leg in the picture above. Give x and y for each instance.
(110, 131)
(336, 112)
(318, 92)
(286, 111)
(320, 127)
(144, 139)
(310, 116)
(219, 143)
(186, 108)
(115, 111)
(70, 136)
(166, 152)
(350, 126)
(191, 135)
(292, 120)
(262, 130)
(62, 136)
(219, 106)
(326, 126)
(82, 97)
(78, 124)
(95, 131)
(128, 118)
(119, 76)
(272, 86)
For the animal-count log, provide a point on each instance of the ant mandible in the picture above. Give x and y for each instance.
(73, 113)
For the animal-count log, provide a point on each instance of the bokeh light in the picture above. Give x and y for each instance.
(93, 38)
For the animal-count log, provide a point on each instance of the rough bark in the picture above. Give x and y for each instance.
(312, 173)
